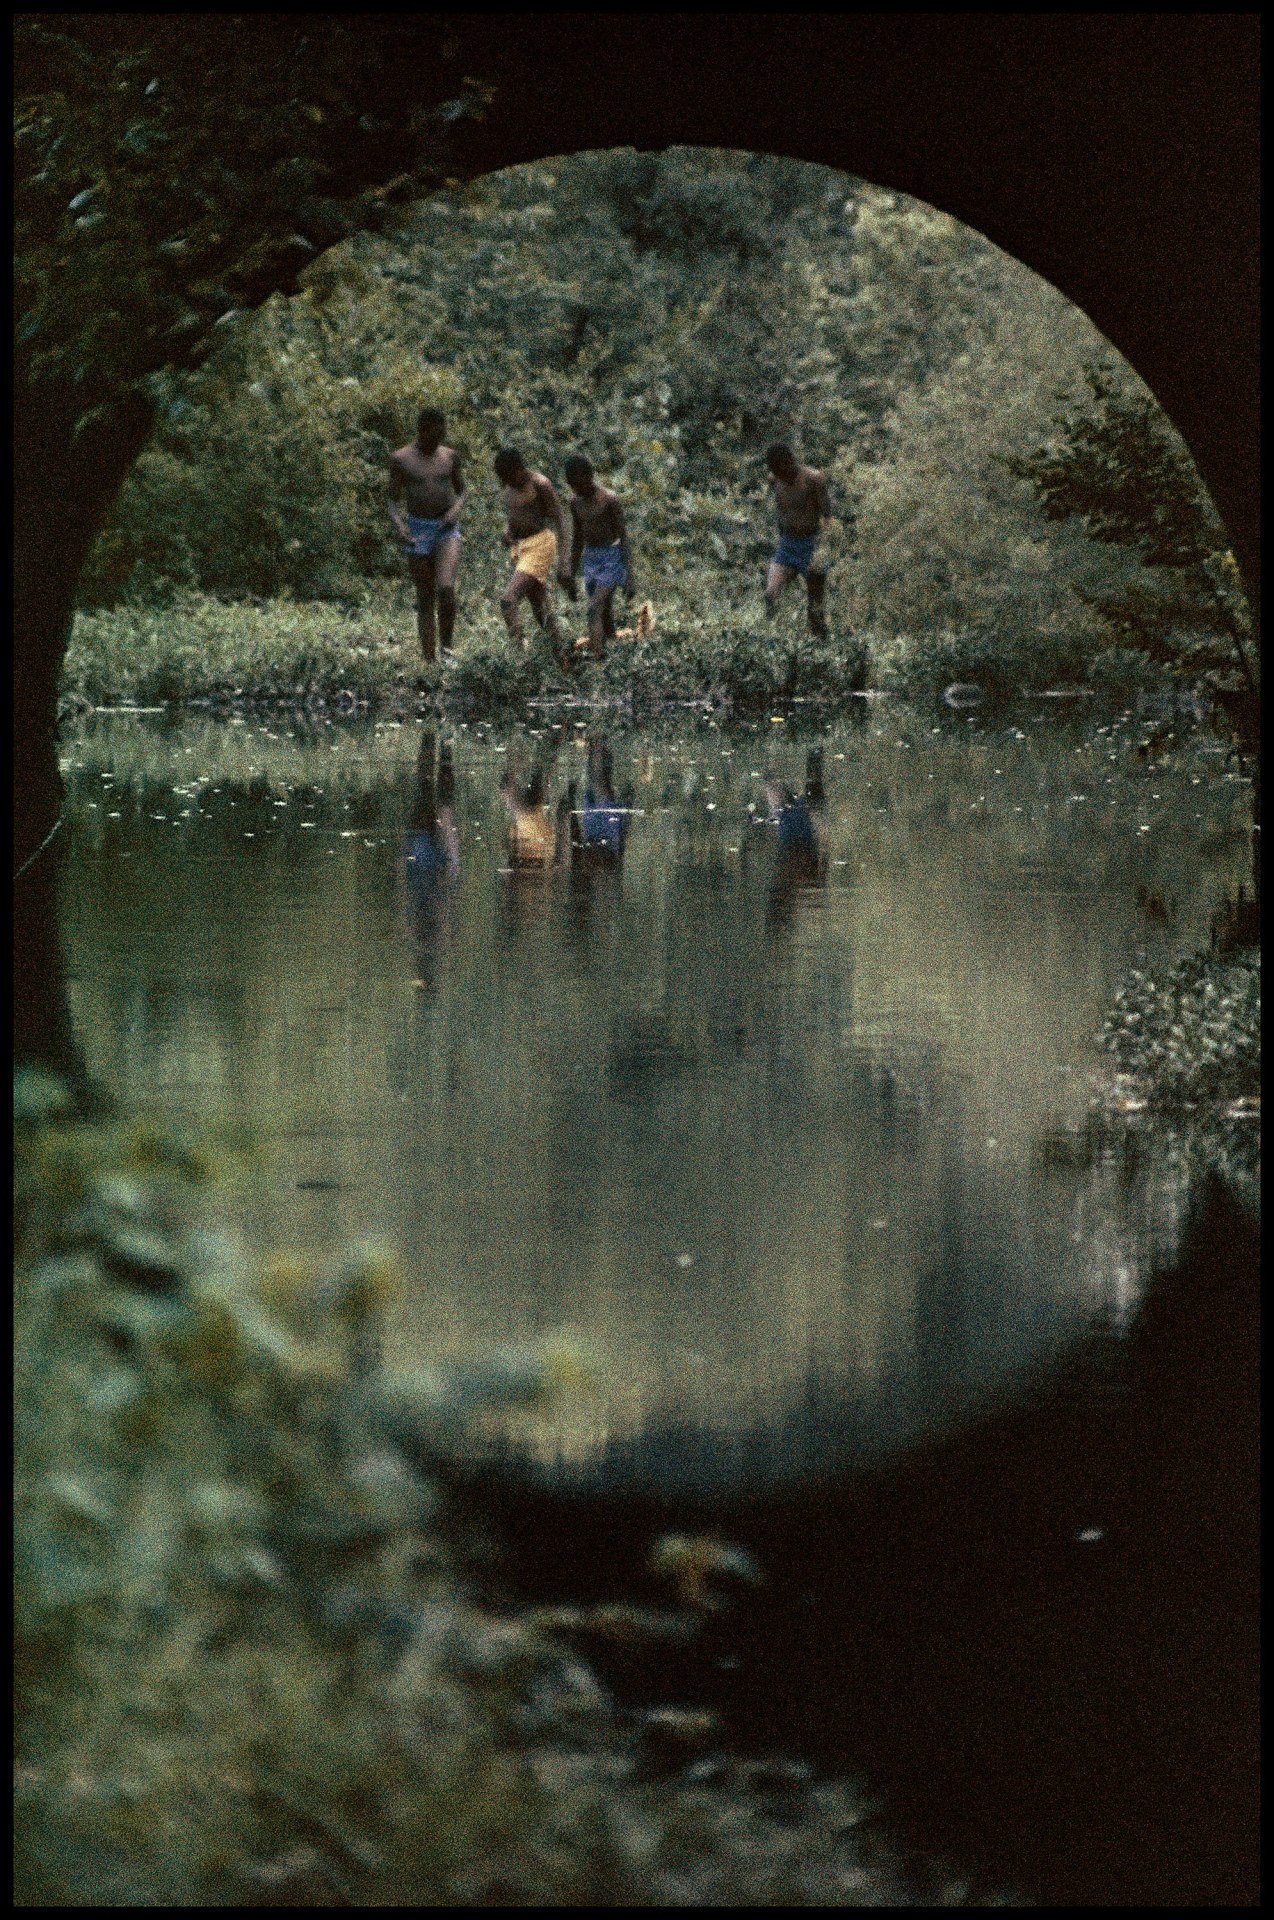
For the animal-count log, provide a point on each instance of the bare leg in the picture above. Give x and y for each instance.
(601, 620)
(424, 580)
(448, 560)
(815, 585)
(775, 581)
(509, 607)
(542, 607)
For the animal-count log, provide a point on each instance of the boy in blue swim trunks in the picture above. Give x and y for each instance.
(803, 503)
(425, 478)
(600, 540)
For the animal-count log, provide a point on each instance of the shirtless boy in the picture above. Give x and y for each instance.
(536, 533)
(425, 477)
(803, 503)
(600, 539)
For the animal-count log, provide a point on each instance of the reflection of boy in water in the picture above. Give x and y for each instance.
(802, 858)
(531, 838)
(604, 817)
(431, 845)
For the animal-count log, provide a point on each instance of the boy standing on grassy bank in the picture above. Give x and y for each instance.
(803, 503)
(426, 476)
(600, 539)
(536, 532)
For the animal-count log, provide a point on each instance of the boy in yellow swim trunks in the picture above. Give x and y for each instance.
(536, 533)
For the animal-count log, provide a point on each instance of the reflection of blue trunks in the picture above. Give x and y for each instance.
(428, 870)
(796, 829)
(601, 825)
(423, 536)
(795, 553)
(604, 567)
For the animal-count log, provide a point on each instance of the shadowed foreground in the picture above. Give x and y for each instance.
(1039, 1639)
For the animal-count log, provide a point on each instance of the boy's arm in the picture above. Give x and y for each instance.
(824, 498)
(397, 486)
(625, 551)
(451, 518)
(548, 494)
(566, 569)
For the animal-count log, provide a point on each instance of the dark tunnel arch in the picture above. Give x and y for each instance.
(1116, 155)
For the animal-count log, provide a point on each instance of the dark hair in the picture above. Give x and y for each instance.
(578, 467)
(508, 462)
(430, 427)
(779, 455)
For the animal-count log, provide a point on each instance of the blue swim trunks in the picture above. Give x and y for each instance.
(604, 567)
(423, 536)
(794, 553)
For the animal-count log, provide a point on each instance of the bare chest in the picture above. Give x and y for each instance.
(427, 479)
(796, 503)
(598, 521)
(527, 509)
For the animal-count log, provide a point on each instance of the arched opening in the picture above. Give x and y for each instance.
(1048, 137)
(647, 1061)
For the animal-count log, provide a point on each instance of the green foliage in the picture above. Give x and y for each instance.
(671, 314)
(492, 677)
(1114, 465)
(197, 648)
(172, 170)
(1188, 1048)
(1117, 466)
(251, 1669)
(1194, 1036)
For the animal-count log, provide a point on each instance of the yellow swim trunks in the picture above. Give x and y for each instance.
(536, 555)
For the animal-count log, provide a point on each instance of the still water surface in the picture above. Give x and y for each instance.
(754, 1083)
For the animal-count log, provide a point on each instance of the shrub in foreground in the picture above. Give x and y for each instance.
(251, 1668)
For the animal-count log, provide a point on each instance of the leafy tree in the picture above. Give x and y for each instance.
(1115, 465)
(673, 313)
(170, 171)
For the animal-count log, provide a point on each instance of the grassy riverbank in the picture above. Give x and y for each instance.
(204, 650)
(707, 645)
(257, 1661)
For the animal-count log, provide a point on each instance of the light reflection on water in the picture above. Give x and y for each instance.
(736, 1056)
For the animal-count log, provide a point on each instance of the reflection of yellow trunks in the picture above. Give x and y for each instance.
(531, 838)
(536, 555)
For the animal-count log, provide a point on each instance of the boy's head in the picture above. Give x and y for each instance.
(509, 465)
(781, 460)
(579, 473)
(431, 429)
